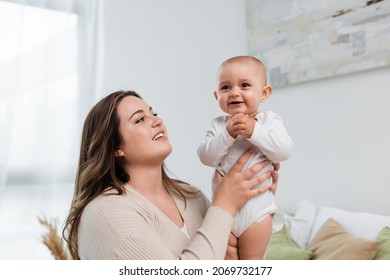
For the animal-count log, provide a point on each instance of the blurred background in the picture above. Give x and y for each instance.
(59, 57)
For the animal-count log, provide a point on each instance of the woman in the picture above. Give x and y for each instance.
(126, 207)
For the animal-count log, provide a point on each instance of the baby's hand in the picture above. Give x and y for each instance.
(243, 125)
(229, 128)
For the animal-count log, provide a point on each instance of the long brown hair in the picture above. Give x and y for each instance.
(99, 169)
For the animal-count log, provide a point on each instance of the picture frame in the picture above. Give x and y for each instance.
(304, 40)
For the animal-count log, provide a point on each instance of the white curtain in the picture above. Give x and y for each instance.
(50, 69)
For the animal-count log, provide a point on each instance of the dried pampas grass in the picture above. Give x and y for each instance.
(53, 240)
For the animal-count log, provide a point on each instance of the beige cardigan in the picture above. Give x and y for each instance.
(131, 227)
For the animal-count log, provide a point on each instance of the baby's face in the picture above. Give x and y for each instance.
(240, 87)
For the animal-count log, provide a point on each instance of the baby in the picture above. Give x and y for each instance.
(241, 87)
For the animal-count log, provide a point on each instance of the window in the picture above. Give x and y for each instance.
(39, 122)
(39, 93)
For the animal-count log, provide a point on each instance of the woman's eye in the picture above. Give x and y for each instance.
(155, 114)
(141, 119)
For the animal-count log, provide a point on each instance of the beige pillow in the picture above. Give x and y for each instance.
(332, 242)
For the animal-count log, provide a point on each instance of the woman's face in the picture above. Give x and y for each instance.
(144, 136)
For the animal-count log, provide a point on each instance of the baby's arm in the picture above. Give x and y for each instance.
(216, 143)
(271, 137)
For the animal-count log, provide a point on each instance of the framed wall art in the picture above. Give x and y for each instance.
(304, 40)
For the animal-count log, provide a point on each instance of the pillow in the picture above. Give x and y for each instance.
(282, 248)
(299, 226)
(332, 242)
(384, 245)
(364, 225)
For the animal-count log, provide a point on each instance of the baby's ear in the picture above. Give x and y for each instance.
(267, 91)
(216, 94)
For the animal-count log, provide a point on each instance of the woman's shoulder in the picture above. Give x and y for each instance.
(108, 204)
(100, 208)
(113, 213)
(105, 221)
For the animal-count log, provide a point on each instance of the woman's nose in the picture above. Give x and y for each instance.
(156, 121)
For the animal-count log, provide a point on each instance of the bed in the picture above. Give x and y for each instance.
(328, 233)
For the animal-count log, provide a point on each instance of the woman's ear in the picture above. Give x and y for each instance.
(119, 153)
(267, 91)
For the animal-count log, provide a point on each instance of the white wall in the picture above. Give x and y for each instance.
(341, 134)
(169, 51)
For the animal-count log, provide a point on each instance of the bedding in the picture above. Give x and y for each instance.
(299, 226)
(332, 242)
(384, 247)
(282, 248)
(331, 233)
(364, 225)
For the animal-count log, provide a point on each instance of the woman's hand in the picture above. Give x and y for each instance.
(275, 178)
(237, 187)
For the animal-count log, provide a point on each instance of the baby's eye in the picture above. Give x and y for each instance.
(224, 87)
(245, 85)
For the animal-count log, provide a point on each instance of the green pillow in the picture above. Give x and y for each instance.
(281, 247)
(384, 245)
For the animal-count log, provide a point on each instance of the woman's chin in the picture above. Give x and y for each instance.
(166, 152)
(169, 151)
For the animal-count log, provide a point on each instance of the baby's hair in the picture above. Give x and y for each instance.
(249, 58)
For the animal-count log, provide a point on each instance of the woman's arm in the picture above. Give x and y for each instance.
(232, 192)
(208, 243)
(237, 187)
(113, 228)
